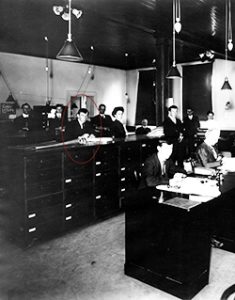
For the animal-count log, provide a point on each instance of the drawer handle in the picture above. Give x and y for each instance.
(123, 190)
(68, 205)
(98, 163)
(68, 218)
(123, 179)
(68, 180)
(98, 174)
(123, 169)
(98, 197)
(144, 145)
(31, 215)
(32, 229)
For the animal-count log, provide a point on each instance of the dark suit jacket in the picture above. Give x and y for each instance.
(73, 130)
(21, 123)
(142, 130)
(172, 130)
(118, 129)
(191, 126)
(102, 125)
(152, 172)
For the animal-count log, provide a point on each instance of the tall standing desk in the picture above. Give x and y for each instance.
(169, 246)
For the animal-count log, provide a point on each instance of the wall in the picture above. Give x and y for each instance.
(225, 117)
(26, 77)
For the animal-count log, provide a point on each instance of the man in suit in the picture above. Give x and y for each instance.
(102, 122)
(25, 121)
(191, 127)
(173, 131)
(143, 129)
(158, 168)
(80, 129)
(57, 124)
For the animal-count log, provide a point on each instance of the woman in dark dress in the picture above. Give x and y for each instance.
(118, 129)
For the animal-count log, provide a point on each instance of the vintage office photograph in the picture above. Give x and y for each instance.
(117, 157)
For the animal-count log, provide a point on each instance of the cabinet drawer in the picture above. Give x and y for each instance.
(42, 162)
(44, 231)
(44, 215)
(42, 188)
(74, 196)
(43, 202)
(75, 170)
(78, 183)
(43, 175)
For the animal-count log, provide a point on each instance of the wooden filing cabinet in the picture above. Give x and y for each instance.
(78, 188)
(106, 187)
(37, 196)
(56, 190)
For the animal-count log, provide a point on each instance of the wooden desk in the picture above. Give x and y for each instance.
(169, 247)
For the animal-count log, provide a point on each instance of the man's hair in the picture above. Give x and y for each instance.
(102, 105)
(210, 112)
(164, 141)
(59, 105)
(172, 107)
(25, 104)
(83, 110)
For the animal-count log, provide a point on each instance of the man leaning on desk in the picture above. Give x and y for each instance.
(158, 168)
(80, 128)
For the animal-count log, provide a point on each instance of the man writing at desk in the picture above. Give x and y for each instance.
(80, 129)
(158, 168)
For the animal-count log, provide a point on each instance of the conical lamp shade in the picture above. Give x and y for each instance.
(173, 73)
(226, 85)
(69, 52)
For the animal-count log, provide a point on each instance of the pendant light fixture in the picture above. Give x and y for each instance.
(173, 72)
(69, 51)
(228, 41)
(177, 25)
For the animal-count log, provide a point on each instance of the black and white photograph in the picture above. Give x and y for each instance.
(117, 156)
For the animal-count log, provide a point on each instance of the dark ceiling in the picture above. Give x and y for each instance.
(113, 28)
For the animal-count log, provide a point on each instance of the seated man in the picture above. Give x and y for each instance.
(207, 155)
(80, 129)
(56, 122)
(143, 129)
(158, 168)
(25, 121)
(102, 122)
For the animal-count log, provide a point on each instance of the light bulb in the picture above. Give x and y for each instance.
(177, 25)
(230, 45)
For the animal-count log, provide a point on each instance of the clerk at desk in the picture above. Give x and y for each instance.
(206, 153)
(158, 168)
(80, 128)
(25, 121)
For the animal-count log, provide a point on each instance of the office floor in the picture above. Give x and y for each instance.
(88, 264)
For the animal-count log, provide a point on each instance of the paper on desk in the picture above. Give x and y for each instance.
(228, 164)
(194, 186)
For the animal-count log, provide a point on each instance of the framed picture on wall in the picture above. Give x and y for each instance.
(76, 100)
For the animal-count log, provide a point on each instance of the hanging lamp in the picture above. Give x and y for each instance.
(69, 51)
(228, 41)
(173, 72)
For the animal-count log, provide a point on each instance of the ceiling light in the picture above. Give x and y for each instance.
(177, 22)
(226, 85)
(69, 51)
(173, 72)
(58, 10)
(228, 35)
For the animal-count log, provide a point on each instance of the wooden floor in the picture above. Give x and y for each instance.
(88, 264)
